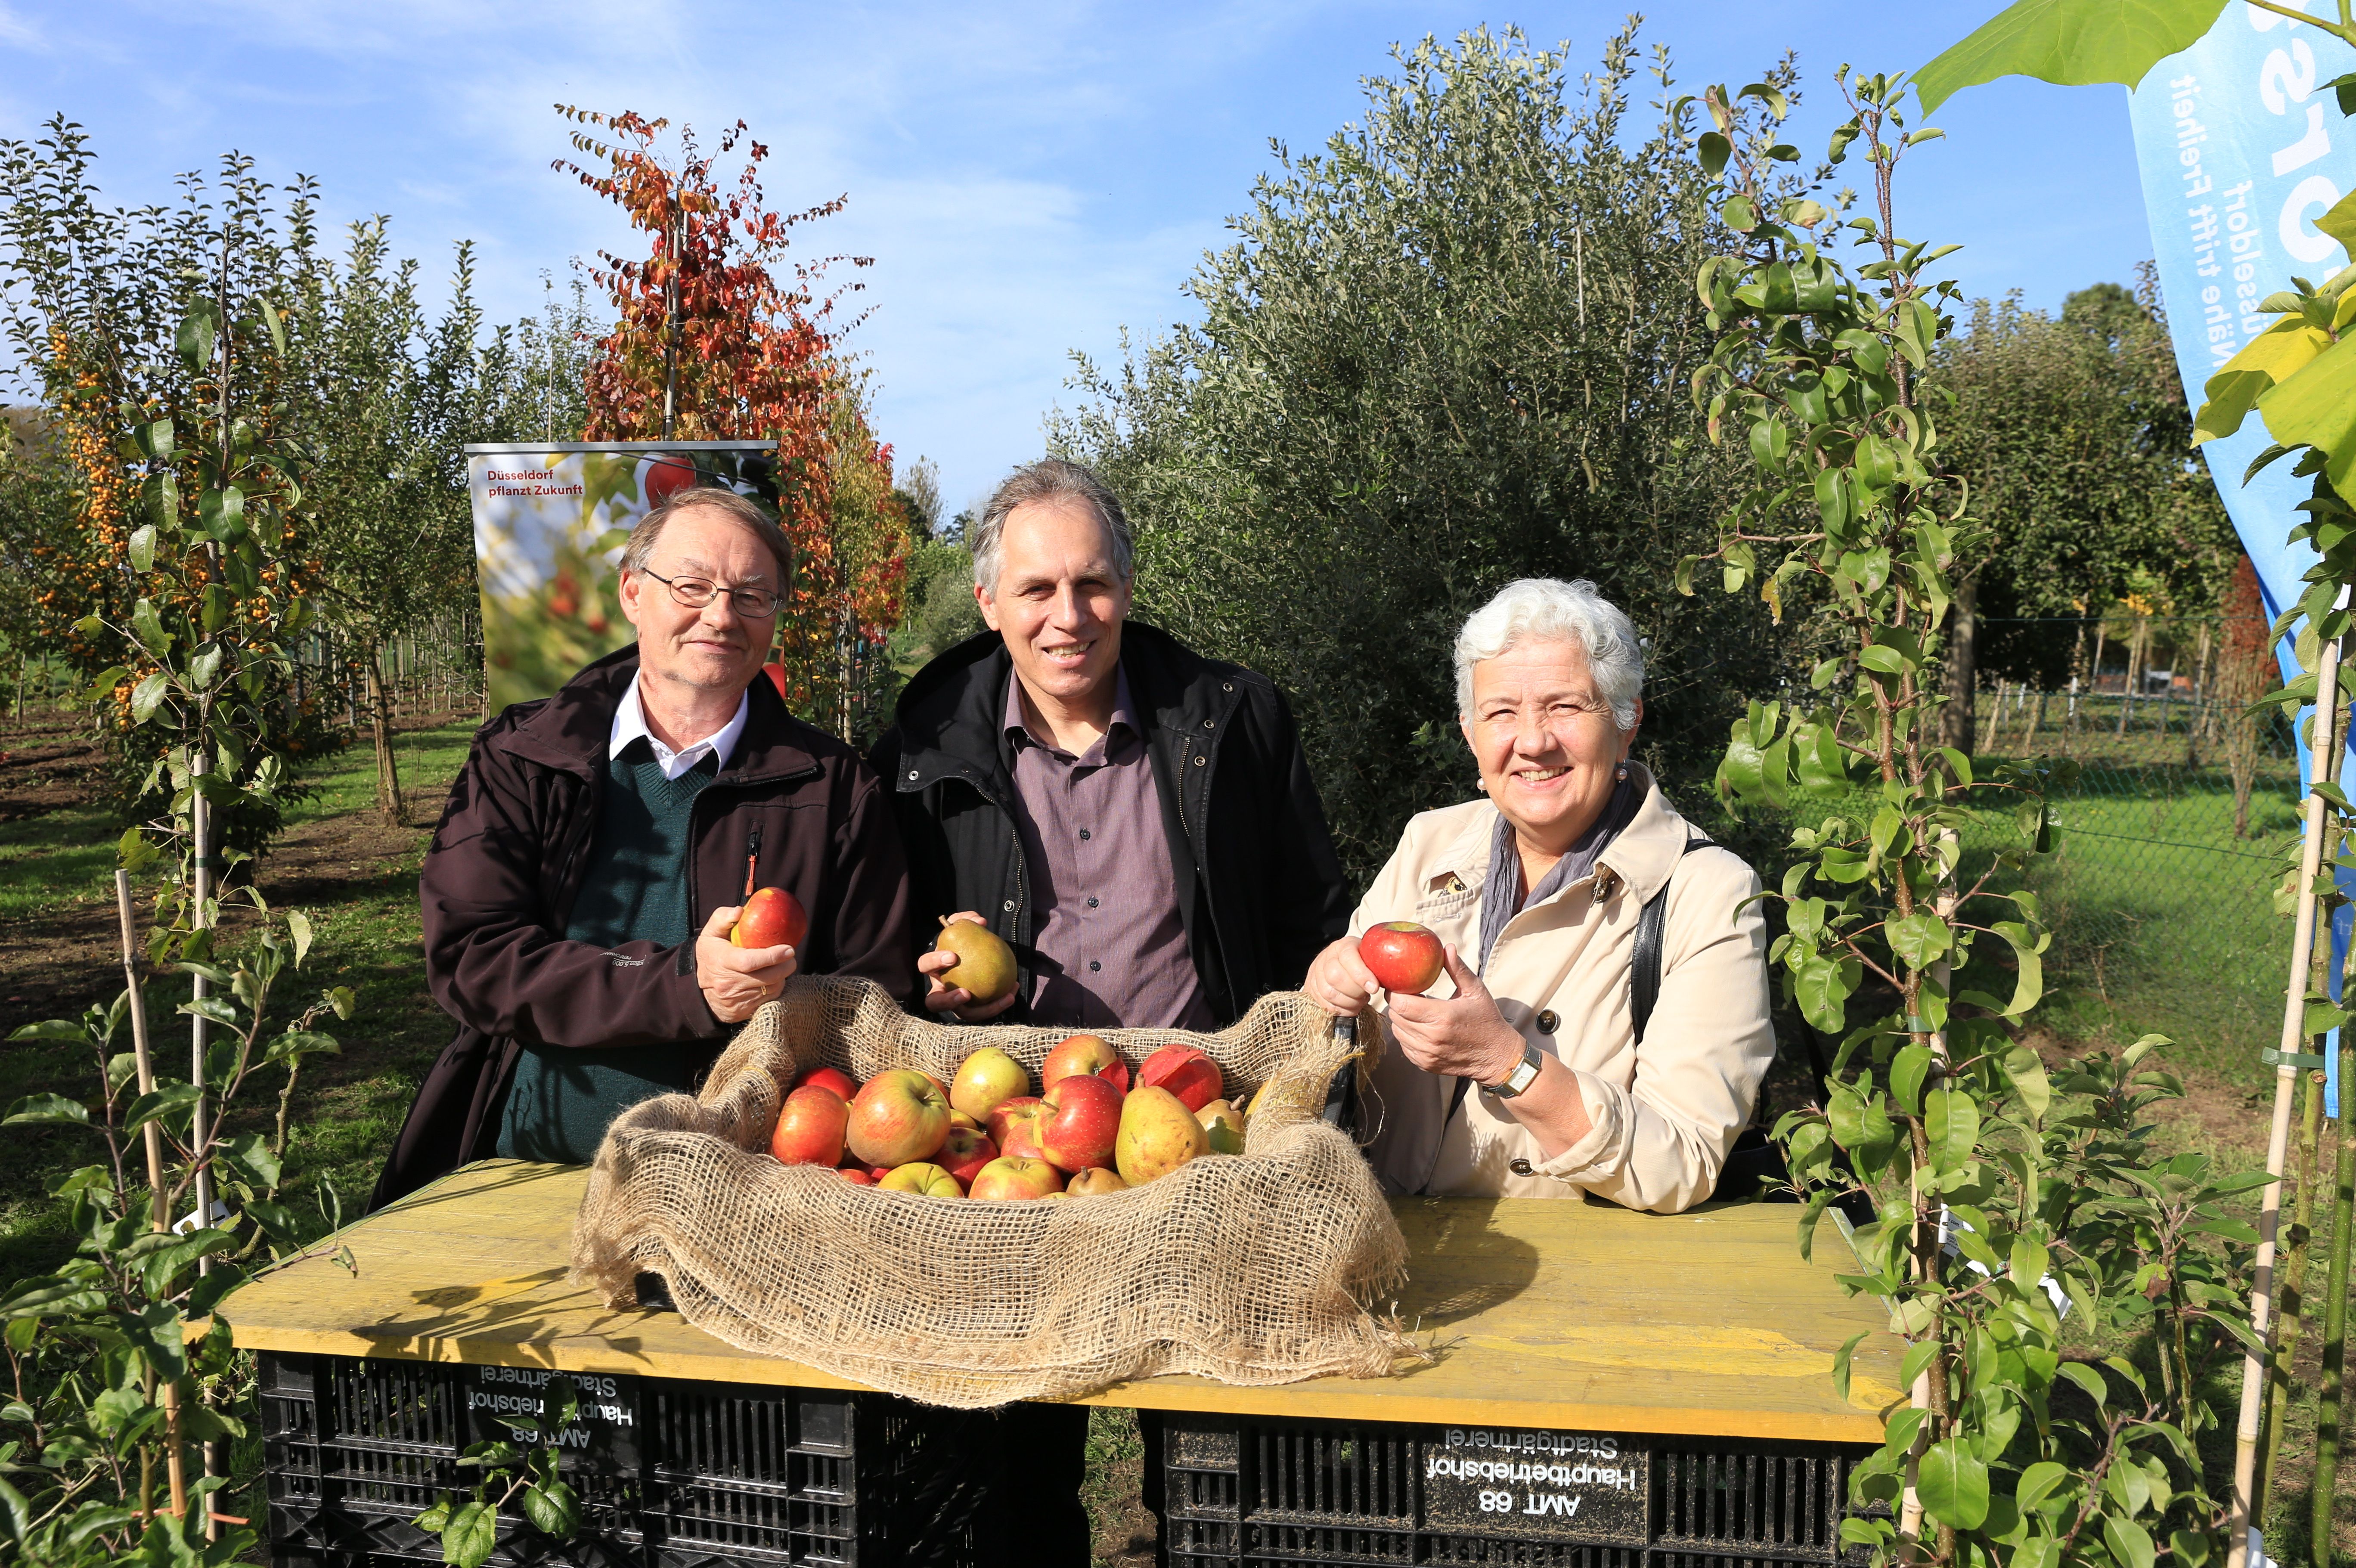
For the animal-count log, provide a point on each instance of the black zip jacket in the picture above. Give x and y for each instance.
(1260, 887)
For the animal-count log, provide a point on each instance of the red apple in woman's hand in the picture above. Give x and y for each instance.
(772, 918)
(1401, 956)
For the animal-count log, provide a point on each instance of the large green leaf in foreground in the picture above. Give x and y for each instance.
(2073, 42)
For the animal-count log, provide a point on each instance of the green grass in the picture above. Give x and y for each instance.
(362, 905)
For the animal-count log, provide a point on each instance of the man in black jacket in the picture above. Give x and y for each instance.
(1136, 821)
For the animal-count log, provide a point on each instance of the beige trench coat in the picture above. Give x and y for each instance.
(1663, 1116)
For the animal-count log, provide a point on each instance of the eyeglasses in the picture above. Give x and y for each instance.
(753, 603)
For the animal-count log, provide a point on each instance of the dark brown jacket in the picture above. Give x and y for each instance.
(505, 865)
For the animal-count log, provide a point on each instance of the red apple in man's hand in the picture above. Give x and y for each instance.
(964, 1153)
(809, 1128)
(1187, 1072)
(829, 1078)
(1401, 956)
(1083, 1120)
(1014, 1176)
(666, 477)
(1084, 1053)
(772, 917)
(901, 1117)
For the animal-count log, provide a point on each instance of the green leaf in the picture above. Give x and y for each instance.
(553, 1509)
(2073, 42)
(198, 331)
(1921, 939)
(149, 693)
(2029, 984)
(1841, 1363)
(2341, 221)
(2088, 1380)
(2036, 1482)
(2316, 406)
(142, 548)
(1954, 1484)
(298, 926)
(1951, 1121)
(162, 1100)
(148, 627)
(45, 1110)
(1823, 991)
(1739, 215)
(471, 1532)
(2028, 1081)
(1713, 151)
(1907, 1070)
(2130, 1542)
(1883, 659)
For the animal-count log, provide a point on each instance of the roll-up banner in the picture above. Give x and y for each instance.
(2242, 148)
(549, 525)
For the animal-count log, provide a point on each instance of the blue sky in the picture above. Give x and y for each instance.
(1030, 178)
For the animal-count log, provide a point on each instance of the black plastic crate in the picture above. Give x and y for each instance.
(670, 1474)
(1241, 1491)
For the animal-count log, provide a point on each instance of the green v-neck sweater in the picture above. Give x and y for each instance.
(634, 890)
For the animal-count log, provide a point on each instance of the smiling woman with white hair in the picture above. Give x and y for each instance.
(1562, 897)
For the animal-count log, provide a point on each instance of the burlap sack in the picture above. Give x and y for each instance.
(1253, 1268)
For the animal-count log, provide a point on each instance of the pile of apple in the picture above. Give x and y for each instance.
(987, 1135)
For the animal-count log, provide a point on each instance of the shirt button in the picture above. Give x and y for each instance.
(1548, 1021)
(912, 775)
(1520, 1168)
(1084, 835)
(1094, 966)
(1199, 762)
(1092, 901)
(1210, 723)
(1009, 906)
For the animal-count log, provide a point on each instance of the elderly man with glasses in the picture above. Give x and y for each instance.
(579, 893)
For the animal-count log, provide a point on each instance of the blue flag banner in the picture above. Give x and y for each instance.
(2242, 148)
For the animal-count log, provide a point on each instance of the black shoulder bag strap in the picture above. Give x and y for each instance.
(1644, 968)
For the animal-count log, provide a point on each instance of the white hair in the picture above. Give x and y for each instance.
(1550, 608)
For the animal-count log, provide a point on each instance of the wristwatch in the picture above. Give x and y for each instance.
(1524, 1073)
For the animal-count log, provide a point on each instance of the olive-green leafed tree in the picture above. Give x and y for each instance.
(1448, 350)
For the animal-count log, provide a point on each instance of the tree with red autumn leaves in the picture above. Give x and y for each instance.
(718, 336)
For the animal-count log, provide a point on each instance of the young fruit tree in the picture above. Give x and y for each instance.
(2299, 378)
(1991, 1196)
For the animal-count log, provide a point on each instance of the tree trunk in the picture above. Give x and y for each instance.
(388, 779)
(1958, 721)
(2240, 680)
(2135, 646)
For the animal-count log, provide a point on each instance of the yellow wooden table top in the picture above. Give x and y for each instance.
(1544, 1313)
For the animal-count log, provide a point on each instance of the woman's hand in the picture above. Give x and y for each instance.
(736, 980)
(1462, 1036)
(957, 1000)
(1339, 981)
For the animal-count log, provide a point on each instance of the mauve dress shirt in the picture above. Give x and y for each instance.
(1112, 948)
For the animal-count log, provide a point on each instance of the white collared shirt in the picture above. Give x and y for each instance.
(630, 722)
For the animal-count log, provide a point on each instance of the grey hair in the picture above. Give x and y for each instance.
(1547, 607)
(1051, 479)
(739, 510)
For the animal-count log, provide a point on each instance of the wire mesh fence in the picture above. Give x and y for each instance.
(2161, 894)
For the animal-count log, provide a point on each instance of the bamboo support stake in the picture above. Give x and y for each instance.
(2324, 754)
(160, 1209)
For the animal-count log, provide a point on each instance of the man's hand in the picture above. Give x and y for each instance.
(737, 980)
(1464, 1036)
(941, 998)
(1339, 981)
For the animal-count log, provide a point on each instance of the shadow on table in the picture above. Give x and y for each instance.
(1459, 1263)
